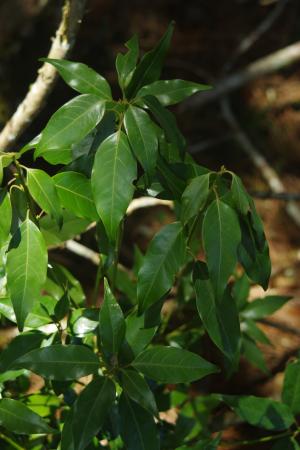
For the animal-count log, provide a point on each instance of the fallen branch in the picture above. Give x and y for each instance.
(268, 173)
(62, 43)
(263, 66)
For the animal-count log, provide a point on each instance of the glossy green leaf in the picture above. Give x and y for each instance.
(254, 332)
(150, 66)
(43, 191)
(113, 173)
(194, 197)
(142, 137)
(125, 64)
(172, 365)
(111, 322)
(261, 412)
(5, 160)
(90, 410)
(169, 92)
(258, 268)
(72, 226)
(138, 390)
(26, 269)
(5, 216)
(266, 306)
(167, 121)
(75, 194)
(137, 336)
(18, 347)
(239, 195)
(16, 417)
(81, 77)
(57, 155)
(221, 236)
(291, 387)
(164, 257)
(254, 354)
(84, 321)
(61, 362)
(138, 429)
(240, 291)
(71, 123)
(219, 317)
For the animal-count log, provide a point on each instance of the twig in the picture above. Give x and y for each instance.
(262, 66)
(256, 34)
(259, 161)
(62, 43)
(285, 196)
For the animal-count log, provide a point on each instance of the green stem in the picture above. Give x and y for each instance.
(260, 440)
(11, 442)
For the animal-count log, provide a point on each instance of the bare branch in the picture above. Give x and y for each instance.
(62, 43)
(256, 34)
(259, 161)
(263, 66)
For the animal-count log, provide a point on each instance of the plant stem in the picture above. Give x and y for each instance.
(116, 257)
(260, 440)
(11, 442)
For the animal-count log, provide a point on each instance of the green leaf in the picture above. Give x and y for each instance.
(125, 64)
(194, 197)
(61, 362)
(71, 123)
(113, 173)
(138, 390)
(17, 418)
(169, 92)
(261, 412)
(111, 321)
(5, 160)
(57, 155)
(142, 137)
(240, 291)
(149, 68)
(81, 77)
(220, 318)
(254, 332)
(75, 194)
(72, 226)
(164, 257)
(138, 429)
(172, 365)
(221, 236)
(90, 410)
(291, 387)
(137, 336)
(259, 268)
(43, 191)
(5, 216)
(18, 347)
(239, 195)
(167, 121)
(26, 269)
(262, 307)
(253, 354)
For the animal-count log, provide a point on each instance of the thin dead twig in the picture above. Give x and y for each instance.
(268, 64)
(268, 173)
(62, 43)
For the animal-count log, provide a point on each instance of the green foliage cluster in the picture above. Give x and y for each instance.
(136, 362)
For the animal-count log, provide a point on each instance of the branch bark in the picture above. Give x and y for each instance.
(263, 66)
(62, 43)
